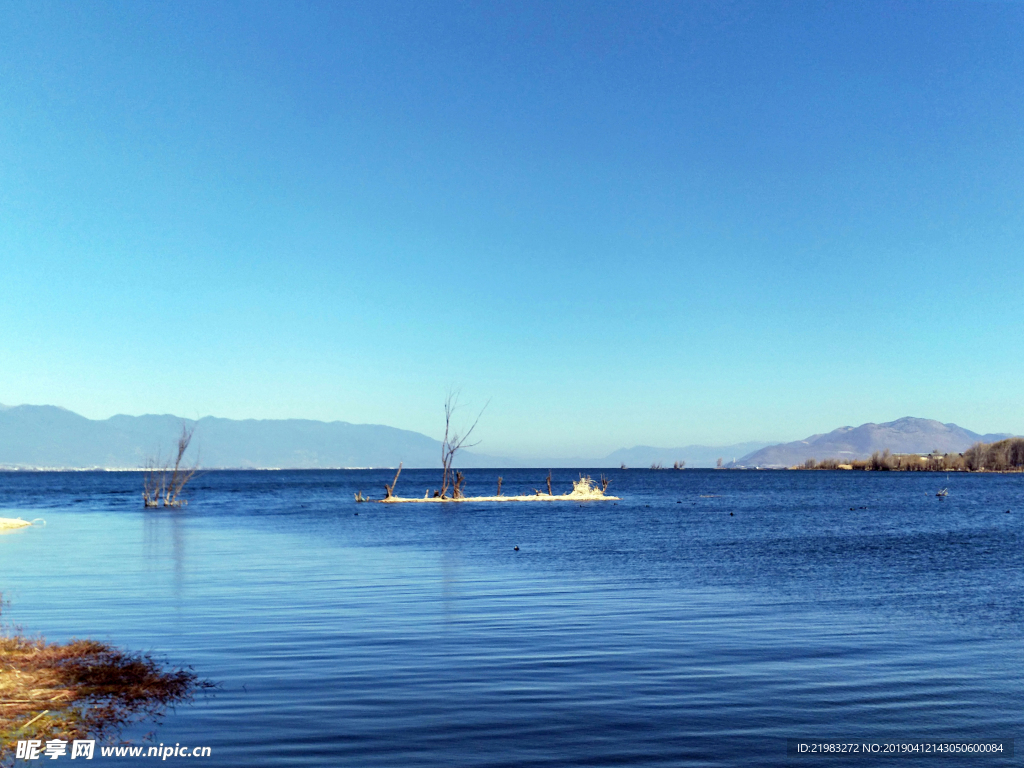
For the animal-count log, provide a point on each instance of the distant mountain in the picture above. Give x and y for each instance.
(907, 435)
(638, 457)
(45, 436)
(643, 456)
(34, 436)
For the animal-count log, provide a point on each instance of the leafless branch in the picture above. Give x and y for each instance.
(453, 442)
(181, 474)
(160, 483)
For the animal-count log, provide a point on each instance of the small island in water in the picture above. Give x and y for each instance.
(584, 489)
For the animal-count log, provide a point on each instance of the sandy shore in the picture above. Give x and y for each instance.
(8, 523)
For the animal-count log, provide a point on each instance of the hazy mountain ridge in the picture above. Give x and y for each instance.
(906, 435)
(642, 456)
(47, 436)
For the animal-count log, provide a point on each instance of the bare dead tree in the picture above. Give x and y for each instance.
(499, 486)
(604, 483)
(549, 483)
(154, 483)
(180, 475)
(390, 489)
(974, 457)
(679, 465)
(1016, 452)
(453, 442)
(458, 485)
(162, 484)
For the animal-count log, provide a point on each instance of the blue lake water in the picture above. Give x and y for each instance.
(657, 631)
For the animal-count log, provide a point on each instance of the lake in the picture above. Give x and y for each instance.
(702, 620)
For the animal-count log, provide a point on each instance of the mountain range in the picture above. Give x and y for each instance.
(906, 435)
(46, 436)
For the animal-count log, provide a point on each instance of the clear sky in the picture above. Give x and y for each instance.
(657, 223)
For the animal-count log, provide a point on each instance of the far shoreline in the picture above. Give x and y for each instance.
(843, 467)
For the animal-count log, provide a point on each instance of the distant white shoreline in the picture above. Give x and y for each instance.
(17, 468)
(10, 468)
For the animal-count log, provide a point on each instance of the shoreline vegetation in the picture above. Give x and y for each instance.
(82, 689)
(1002, 456)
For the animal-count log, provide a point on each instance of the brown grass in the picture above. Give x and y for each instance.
(81, 689)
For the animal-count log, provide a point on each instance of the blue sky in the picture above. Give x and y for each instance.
(621, 222)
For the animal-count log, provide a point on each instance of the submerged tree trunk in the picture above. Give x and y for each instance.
(163, 485)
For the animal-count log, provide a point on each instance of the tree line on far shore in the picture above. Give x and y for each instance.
(1003, 456)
